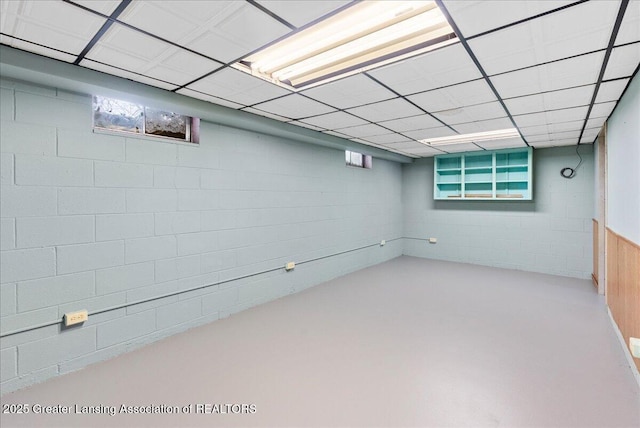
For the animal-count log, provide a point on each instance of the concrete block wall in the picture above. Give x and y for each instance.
(551, 234)
(95, 221)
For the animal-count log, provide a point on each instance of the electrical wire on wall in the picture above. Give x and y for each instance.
(571, 172)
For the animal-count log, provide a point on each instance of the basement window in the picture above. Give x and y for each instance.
(122, 116)
(358, 160)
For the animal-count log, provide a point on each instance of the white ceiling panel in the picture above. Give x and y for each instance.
(611, 91)
(209, 98)
(548, 117)
(131, 50)
(503, 144)
(596, 122)
(630, 27)
(421, 121)
(41, 50)
(127, 74)
(464, 94)
(294, 106)
(623, 61)
(554, 143)
(238, 87)
(106, 7)
(408, 145)
(602, 109)
(551, 100)
(566, 126)
(425, 151)
(335, 120)
(442, 67)
(458, 148)
(350, 92)
(56, 25)
(484, 125)
(394, 139)
(306, 125)
(539, 138)
(223, 30)
(472, 113)
(582, 70)
(364, 131)
(386, 110)
(579, 29)
(589, 135)
(301, 12)
(565, 135)
(266, 114)
(474, 17)
(336, 134)
(421, 134)
(532, 131)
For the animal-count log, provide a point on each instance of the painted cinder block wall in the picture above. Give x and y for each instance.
(550, 234)
(93, 220)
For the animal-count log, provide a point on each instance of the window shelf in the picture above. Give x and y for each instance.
(489, 175)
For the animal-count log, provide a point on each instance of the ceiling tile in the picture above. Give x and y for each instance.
(566, 126)
(554, 143)
(458, 148)
(301, 12)
(602, 109)
(306, 125)
(564, 98)
(364, 131)
(386, 110)
(336, 134)
(238, 87)
(589, 136)
(411, 123)
(126, 74)
(611, 91)
(294, 106)
(223, 30)
(623, 61)
(532, 131)
(464, 94)
(106, 7)
(40, 50)
(215, 100)
(350, 92)
(56, 25)
(421, 134)
(266, 114)
(335, 120)
(503, 144)
(395, 139)
(472, 113)
(425, 151)
(579, 29)
(407, 145)
(596, 122)
(565, 135)
(582, 70)
(435, 69)
(630, 27)
(133, 51)
(484, 125)
(556, 116)
(474, 17)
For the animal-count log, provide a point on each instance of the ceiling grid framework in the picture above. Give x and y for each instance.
(553, 69)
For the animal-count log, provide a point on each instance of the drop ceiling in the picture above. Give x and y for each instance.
(553, 69)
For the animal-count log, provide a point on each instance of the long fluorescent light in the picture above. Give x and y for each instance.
(473, 138)
(365, 35)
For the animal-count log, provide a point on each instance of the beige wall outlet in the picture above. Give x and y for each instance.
(71, 318)
(290, 266)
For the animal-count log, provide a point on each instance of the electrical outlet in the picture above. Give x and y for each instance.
(634, 344)
(433, 240)
(72, 318)
(382, 243)
(290, 266)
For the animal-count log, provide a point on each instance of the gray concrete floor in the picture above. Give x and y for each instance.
(410, 342)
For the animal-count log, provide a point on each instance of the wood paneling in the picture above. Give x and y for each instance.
(623, 285)
(596, 248)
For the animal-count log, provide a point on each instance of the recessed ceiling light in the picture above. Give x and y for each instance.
(473, 138)
(363, 36)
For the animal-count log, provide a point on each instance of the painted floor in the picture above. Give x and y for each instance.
(410, 342)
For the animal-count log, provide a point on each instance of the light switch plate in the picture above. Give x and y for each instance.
(634, 344)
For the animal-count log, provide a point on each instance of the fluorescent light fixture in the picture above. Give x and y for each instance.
(365, 35)
(473, 138)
